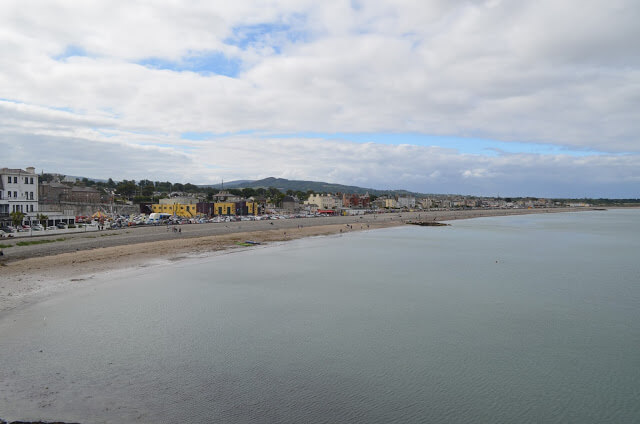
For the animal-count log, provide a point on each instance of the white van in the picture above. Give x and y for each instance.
(157, 218)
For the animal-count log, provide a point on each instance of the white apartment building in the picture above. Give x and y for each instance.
(406, 201)
(18, 192)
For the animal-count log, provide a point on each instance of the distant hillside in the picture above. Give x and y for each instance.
(298, 185)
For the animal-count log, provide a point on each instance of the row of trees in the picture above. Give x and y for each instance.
(17, 217)
(149, 191)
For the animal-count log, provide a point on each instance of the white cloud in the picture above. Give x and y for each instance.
(425, 169)
(562, 73)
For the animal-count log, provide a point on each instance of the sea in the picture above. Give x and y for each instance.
(517, 319)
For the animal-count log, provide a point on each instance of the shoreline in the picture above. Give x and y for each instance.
(31, 273)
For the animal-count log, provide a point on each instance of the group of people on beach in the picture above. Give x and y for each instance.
(175, 230)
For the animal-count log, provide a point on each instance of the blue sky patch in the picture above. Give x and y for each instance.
(208, 135)
(478, 146)
(196, 136)
(209, 63)
(265, 35)
(71, 51)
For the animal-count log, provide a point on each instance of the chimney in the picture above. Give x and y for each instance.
(31, 170)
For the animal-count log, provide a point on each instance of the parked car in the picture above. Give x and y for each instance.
(52, 227)
(61, 225)
(7, 229)
(37, 227)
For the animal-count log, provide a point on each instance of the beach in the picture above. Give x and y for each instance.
(32, 272)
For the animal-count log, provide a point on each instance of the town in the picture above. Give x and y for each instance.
(40, 201)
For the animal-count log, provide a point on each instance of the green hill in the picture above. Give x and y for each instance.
(299, 185)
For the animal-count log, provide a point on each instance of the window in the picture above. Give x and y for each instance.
(31, 180)
(31, 208)
(31, 196)
(15, 180)
(15, 194)
(26, 180)
(9, 193)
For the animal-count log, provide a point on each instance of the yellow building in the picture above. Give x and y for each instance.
(177, 209)
(235, 208)
(252, 208)
(224, 208)
(390, 203)
(217, 208)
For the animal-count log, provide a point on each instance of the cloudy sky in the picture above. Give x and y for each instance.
(488, 97)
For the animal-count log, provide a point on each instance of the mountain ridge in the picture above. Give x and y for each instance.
(284, 184)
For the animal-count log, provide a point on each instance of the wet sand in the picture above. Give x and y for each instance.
(29, 273)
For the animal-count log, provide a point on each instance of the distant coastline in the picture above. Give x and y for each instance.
(39, 269)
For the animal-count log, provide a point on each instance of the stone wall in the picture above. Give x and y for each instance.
(88, 209)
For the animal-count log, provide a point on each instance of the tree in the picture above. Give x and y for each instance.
(46, 177)
(163, 186)
(145, 183)
(190, 188)
(248, 192)
(147, 190)
(126, 188)
(42, 219)
(16, 218)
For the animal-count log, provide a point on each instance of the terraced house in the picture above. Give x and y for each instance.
(18, 192)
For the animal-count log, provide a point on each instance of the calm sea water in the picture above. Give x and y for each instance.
(525, 319)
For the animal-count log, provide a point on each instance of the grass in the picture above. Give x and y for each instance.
(103, 235)
(5, 246)
(29, 243)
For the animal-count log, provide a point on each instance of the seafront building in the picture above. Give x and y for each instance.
(324, 201)
(22, 190)
(224, 204)
(18, 193)
(406, 201)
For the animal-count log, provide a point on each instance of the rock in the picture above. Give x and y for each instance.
(428, 223)
(35, 422)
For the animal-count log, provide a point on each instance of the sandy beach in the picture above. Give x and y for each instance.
(30, 272)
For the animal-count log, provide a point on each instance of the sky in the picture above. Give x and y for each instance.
(489, 98)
